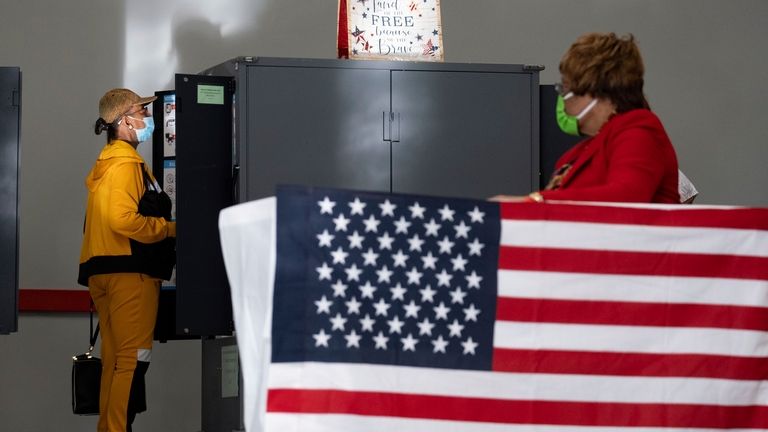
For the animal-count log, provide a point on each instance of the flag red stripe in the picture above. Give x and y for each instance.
(632, 313)
(633, 263)
(515, 411)
(630, 364)
(742, 218)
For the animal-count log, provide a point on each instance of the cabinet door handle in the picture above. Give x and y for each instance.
(385, 126)
(390, 126)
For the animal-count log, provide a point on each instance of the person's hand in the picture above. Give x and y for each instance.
(509, 198)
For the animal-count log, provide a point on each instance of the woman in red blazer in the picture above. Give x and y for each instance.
(627, 156)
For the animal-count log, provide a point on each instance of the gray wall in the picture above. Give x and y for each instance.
(706, 78)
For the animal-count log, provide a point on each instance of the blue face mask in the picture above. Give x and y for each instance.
(146, 132)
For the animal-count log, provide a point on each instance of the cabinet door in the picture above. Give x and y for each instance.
(204, 187)
(467, 134)
(314, 126)
(10, 113)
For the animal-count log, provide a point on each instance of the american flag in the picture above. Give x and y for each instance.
(429, 48)
(413, 313)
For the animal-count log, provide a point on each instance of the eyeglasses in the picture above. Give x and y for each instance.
(144, 109)
(560, 89)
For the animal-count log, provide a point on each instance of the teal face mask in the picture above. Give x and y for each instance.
(568, 123)
(146, 132)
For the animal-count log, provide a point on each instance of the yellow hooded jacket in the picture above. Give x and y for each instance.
(115, 186)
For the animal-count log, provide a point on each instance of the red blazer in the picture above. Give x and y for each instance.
(630, 160)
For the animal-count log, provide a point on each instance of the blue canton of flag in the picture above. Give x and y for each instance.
(385, 279)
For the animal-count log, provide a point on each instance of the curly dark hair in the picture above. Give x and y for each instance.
(605, 65)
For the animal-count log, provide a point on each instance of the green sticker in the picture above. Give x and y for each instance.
(210, 94)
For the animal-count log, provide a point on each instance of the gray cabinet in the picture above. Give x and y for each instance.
(10, 125)
(466, 130)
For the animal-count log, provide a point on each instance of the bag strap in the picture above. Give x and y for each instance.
(94, 335)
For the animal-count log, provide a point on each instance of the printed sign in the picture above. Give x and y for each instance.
(169, 125)
(390, 30)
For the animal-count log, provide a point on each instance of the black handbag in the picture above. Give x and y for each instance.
(86, 378)
(158, 259)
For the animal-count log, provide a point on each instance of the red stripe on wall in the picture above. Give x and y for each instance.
(515, 411)
(632, 313)
(48, 300)
(630, 364)
(633, 263)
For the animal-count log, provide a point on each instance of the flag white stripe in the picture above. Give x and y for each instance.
(654, 289)
(335, 423)
(637, 339)
(514, 386)
(636, 238)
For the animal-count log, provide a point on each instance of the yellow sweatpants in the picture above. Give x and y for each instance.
(127, 308)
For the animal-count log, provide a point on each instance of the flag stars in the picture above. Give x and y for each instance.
(371, 224)
(339, 289)
(459, 263)
(446, 245)
(412, 310)
(395, 325)
(323, 305)
(473, 280)
(415, 243)
(476, 248)
(462, 230)
(444, 278)
(326, 206)
(381, 307)
(455, 329)
(367, 290)
(429, 261)
(441, 311)
(385, 241)
(439, 345)
(446, 213)
(417, 211)
(353, 339)
(457, 296)
(398, 292)
(399, 258)
(469, 346)
(425, 327)
(370, 257)
(427, 294)
(324, 272)
(355, 241)
(339, 256)
(367, 323)
(384, 274)
(321, 338)
(414, 276)
(324, 239)
(387, 208)
(476, 216)
(380, 340)
(341, 222)
(431, 228)
(356, 207)
(353, 273)
(409, 343)
(471, 313)
(353, 306)
(338, 322)
(401, 226)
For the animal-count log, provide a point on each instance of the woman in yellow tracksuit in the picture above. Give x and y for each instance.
(124, 283)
